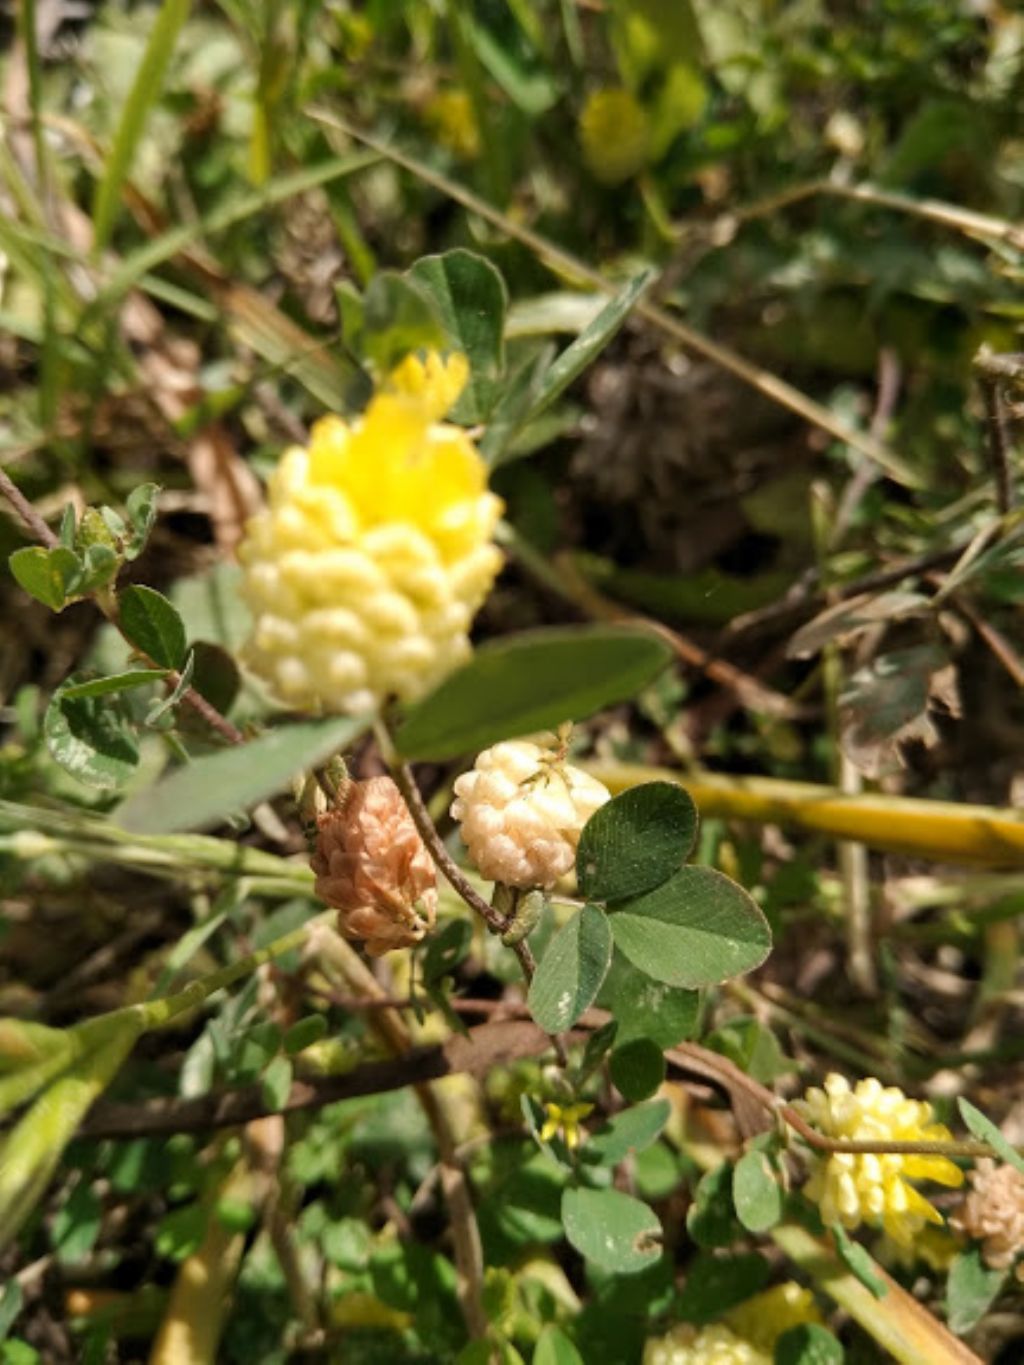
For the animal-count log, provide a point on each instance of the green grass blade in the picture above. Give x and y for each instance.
(145, 90)
(168, 244)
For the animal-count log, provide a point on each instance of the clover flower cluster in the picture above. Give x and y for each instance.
(375, 550)
(372, 866)
(521, 810)
(856, 1188)
(746, 1336)
(993, 1213)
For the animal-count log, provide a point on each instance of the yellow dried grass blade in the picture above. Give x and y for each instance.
(948, 832)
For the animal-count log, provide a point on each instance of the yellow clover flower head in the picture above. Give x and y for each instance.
(764, 1318)
(851, 1188)
(615, 134)
(714, 1345)
(565, 1121)
(375, 550)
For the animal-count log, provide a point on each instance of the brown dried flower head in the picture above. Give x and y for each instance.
(374, 868)
(993, 1212)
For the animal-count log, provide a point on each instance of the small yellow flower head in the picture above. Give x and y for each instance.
(564, 1121)
(374, 552)
(451, 115)
(714, 1345)
(615, 133)
(522, 809)
(763, 1319)
(852, 1189)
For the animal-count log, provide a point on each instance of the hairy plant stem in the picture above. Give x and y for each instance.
(496, 921)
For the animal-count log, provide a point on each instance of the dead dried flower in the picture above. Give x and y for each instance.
(374, 868)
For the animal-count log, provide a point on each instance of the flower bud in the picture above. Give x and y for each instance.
(374, 868)
(522, 809)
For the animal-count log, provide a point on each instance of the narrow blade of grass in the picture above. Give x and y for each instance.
(146, 88)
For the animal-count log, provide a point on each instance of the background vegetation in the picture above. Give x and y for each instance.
(792, 447)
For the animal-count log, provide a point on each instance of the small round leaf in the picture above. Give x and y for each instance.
(694, 930)
(637, 1069)
(614, 1231)
(636, 841)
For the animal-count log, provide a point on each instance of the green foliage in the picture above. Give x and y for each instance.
(153, 626)
(471, 299)
(217, 785)
(192, 275)
(808, 1344)
(613, 1230)
(971, 1289)
(532, 681)
(756, 1191)
(636, 841)
(857, 1261)
(696, 929)
(986, 1131)
(572, 969)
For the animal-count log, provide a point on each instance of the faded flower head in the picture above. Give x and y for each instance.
(714, 1345)
(374, 553)
(522, 809)
(875, 1189)
(374, 868)
(993, 1212)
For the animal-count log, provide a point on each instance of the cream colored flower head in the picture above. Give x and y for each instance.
(853, 1188)
(375, 550)
(713, 1345)
(522, 809)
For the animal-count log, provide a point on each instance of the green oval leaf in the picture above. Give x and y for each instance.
(637, 1068)
(531, 682)
(554, 1348)
(215, 786)
(92, 738)
(611, 1229)
(471, 298)
(971, 1288)
(115, 682)
(276, 1083)
(636, 841)
(756, 1192)
(631, 1131)
(694, 930)
(711, 1218)
(571, 971)
(152, 625)
(47, 575)
(644, 1008)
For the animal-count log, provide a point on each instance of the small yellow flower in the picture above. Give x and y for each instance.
(451, 115)
(615, 134)
(763, 1319)
(564, 1121)
(374, 553)
(852, 1189)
